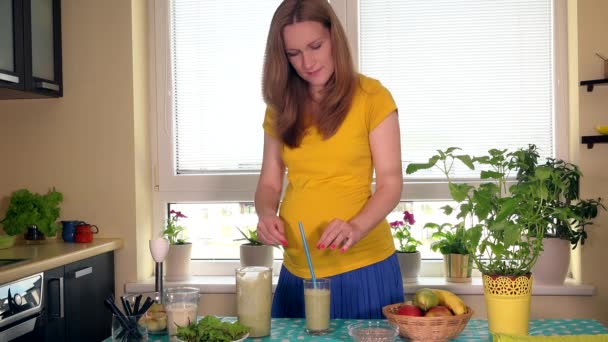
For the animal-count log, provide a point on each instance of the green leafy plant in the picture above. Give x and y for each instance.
(174, 231)
(505, 223)
(31, 209)
(251, 237)
(211, 328)
(451, 238)
(571, 214)
(402, 232)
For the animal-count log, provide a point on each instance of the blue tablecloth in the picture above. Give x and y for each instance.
(286, 329)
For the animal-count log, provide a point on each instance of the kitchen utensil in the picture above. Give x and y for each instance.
(159, 248)
(181, 306)
(254, 298)
(84, 232)
(149, 305)
(312, 271)
(69, 229)
(376, 331)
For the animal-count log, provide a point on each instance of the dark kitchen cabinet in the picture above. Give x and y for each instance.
(75, 293)
(30, 49)
(53, 313)
(88, 283)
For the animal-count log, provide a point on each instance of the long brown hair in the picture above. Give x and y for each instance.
(286, 93)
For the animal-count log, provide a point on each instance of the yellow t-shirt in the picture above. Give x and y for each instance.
(330, 179)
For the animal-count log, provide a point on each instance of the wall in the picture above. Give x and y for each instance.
(593, 111)
(93, 143)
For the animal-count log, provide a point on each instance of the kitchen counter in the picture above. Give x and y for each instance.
(50, 254)
(292, 329)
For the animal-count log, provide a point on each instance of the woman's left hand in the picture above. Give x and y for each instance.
(340, 234)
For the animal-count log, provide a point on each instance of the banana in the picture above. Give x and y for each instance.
(451, 300)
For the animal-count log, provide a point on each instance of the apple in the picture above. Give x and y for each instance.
(409, 310)
(438, 311)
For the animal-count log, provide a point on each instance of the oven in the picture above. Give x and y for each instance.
(20, 307)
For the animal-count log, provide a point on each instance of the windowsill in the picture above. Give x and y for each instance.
(226, 285)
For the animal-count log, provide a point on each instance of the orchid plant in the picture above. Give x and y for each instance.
(174, 231)
(402, 232)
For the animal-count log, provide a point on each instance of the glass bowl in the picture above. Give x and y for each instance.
(373, 331)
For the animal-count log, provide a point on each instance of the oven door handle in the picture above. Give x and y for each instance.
(61, 299)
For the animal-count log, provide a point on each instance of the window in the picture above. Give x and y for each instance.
(212, 226)
(468, 73)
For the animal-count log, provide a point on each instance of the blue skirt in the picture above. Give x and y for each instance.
(358, 294)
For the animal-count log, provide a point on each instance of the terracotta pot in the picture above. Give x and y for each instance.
(177, 262)
(409, 263)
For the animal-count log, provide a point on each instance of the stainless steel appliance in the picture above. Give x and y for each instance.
(20, 306)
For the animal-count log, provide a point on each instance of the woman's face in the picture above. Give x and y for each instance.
(308, 48)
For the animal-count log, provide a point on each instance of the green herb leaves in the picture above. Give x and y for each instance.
(26, 209)
(211, 329)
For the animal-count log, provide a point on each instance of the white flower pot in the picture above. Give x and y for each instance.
(177, 263)
(409, 263)
(256, 255)
(552, 265)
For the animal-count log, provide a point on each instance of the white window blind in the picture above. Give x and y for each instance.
(217, 50)
(477, 74)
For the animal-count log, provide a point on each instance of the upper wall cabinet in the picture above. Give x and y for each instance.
(30, 49)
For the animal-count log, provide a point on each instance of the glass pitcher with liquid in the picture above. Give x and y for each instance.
(254, 298)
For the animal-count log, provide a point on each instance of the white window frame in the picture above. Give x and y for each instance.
(213, 188)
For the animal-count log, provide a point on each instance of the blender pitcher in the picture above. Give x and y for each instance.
(254, 299)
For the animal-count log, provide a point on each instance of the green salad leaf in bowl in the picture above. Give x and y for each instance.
(212, 329)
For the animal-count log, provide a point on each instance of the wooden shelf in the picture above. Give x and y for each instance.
(594, 139)
(591, 83)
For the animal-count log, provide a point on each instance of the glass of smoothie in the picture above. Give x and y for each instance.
(316, 304)
(254, 299)
(181, 307)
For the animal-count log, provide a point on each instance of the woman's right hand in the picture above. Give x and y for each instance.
(271, 230)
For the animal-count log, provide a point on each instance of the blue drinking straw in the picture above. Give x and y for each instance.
(312, 272)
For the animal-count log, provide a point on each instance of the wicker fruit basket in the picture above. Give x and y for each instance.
(429, 329)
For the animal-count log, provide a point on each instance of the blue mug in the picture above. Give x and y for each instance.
(69, 229)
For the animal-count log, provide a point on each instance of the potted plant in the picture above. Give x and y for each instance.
(407, 252)
(506, 225)
(35, 213)
(178, 259)
(254, 252)
(565, 227)
(453, 241)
